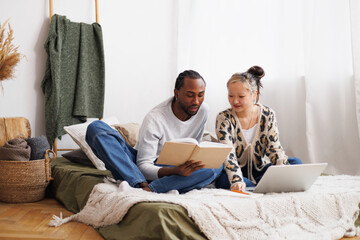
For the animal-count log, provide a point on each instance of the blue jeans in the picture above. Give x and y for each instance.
(120, 159)
(223, 182)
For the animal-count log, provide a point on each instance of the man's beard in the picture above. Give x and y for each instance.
(187, 111)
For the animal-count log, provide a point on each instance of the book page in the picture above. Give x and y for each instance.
(213, 144)
(185, 140)
(177, 152)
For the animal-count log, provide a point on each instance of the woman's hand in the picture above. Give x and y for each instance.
(239, 186)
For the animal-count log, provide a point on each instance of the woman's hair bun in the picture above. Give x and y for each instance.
(256, 71)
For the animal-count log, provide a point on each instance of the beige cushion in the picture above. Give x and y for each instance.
(129, 131)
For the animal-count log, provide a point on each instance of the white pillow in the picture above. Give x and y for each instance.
(78, 131)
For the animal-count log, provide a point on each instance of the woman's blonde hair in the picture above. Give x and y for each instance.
(251, 78)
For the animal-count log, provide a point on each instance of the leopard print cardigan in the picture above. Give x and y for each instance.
(247, 158)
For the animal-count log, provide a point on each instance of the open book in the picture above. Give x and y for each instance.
(178, 151)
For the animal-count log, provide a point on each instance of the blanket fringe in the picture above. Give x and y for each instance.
(108, 179)
(353, 232)
(58, 221)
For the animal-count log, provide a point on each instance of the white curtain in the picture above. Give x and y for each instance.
(311, 56)
(355, 43)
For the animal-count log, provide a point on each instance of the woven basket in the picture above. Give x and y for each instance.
(25, 181)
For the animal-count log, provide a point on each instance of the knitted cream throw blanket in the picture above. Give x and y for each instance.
(327, 211)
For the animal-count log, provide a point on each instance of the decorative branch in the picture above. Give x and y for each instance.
(9, 55)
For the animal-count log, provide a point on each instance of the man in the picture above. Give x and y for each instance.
(181, 116)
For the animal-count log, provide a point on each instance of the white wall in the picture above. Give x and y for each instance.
(148, 42)
(139, 56)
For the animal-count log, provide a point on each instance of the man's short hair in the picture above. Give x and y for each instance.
(188, 73)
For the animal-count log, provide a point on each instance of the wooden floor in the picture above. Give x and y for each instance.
(31, 221)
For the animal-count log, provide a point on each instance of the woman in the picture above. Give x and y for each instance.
(251, 129)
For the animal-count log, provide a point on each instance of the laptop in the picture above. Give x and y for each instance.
(288, 178)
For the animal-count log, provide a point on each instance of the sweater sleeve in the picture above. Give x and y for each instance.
(225, 134)
(147, 147)
(274, 150)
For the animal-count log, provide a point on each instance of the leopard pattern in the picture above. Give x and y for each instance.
(245, 158)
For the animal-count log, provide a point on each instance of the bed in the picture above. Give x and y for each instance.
(73, 183)
(200, 214)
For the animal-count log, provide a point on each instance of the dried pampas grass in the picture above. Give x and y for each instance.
(9, 55)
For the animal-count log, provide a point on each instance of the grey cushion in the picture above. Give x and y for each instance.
(78, 156)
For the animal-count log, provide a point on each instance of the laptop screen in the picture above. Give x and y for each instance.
(289, 178)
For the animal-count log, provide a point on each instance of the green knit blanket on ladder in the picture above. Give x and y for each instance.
(74, 80)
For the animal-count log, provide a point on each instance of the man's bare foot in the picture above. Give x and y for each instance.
(145, 186)
(146, 189)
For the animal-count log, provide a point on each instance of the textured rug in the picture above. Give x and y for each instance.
(327, 210)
